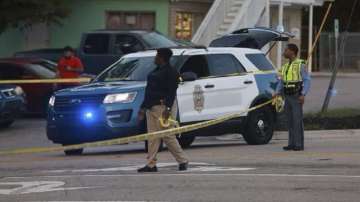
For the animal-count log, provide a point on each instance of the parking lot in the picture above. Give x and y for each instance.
(221, 169)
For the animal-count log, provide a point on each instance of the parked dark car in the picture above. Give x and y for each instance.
(12, 104)
(37, 94)
(52, 54)
(101, 48)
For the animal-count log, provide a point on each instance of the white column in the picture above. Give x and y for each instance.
(267, 14)
(280, 28)
(311, 18)
(267, 23)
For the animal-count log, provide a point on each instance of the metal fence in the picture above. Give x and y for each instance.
(350, 58)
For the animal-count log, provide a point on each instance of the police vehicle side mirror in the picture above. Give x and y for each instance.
(189, 76)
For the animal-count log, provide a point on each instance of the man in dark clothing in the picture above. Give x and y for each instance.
(160, 101)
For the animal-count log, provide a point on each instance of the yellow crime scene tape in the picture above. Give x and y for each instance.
(142, 137)
(31, 81)
(87, 80)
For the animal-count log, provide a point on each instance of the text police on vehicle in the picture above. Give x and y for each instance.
(216, 81)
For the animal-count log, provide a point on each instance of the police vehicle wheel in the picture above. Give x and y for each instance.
(185, 141)
(6, 124)
(260, 127)
(73, 152)
(161, 147)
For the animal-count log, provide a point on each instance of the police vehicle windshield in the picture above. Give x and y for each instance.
(156, 40)
(130, 69)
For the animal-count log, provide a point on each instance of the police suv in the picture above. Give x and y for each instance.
(12, 104)
(230, 76)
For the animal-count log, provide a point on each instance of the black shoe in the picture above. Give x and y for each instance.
(148, 169)
(183, 166)
(298, 148)
(288, 148)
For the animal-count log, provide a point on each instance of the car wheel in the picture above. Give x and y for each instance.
(161, 147)
(73, 152)
(185, 141)
(6, 124)
(260, 126)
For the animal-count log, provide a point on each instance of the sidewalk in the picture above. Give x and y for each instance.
(340, 74)
(321, 134)
(347, 91)
(283, 135)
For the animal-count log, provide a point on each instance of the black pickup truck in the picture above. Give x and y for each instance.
(101, 48)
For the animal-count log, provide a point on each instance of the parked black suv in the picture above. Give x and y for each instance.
(101, 48)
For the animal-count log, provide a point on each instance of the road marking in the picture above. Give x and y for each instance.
(36, 187)
(216, 169)
(123, 168)
(181, 174)
(194, 167)
(97, 201)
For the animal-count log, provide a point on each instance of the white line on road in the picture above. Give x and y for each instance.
(36, 187)
(196, 175)
(124, 168)
(97, 201)
(194, 167)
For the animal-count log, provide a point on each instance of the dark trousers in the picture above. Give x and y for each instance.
(294, 112)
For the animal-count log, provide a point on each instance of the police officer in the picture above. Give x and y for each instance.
(160, 97)
(294, 84)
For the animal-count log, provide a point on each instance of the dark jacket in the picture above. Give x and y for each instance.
(162, 84)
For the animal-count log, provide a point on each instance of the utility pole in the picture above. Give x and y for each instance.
(331, 90)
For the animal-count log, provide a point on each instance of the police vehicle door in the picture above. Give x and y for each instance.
(222, 88)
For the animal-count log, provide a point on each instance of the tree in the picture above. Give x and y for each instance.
(23, 14)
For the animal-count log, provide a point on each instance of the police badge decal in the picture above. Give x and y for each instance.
(199, 98)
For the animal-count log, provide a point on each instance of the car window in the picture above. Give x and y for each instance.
(196, 64)
(125, 44)
(156, 40)
(10, 71)
(47, 64)
(41, 71)
(132, 68)
(224, 64)
(260, 61)
(96, 44)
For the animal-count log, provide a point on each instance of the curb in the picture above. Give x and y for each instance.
(320, 134)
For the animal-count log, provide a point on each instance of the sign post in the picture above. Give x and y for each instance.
(331, 90)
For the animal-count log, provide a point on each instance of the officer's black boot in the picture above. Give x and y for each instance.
(288, 148)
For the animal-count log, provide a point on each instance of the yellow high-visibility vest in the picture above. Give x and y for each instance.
(291, 72)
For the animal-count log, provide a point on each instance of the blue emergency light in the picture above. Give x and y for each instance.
(88, 115)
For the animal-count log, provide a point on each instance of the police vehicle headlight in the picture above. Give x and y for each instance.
(120, 98)
(19, 91)
(52, 101)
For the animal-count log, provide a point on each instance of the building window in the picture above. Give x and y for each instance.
(184, 25)
(130, 20)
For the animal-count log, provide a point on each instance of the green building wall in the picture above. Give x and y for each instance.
(10, 42)
(87, 15)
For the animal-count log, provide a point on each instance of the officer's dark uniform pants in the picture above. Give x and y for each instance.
(294, 112)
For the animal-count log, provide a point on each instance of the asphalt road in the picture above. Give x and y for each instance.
(222, 169)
